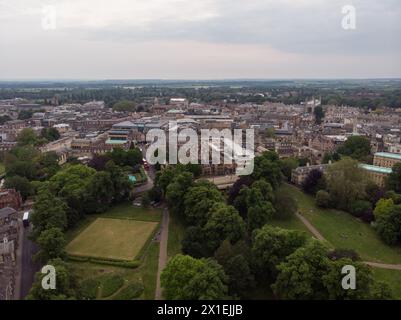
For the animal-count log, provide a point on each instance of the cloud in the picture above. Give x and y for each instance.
(254, 33)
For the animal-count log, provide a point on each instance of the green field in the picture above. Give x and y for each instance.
(103, 281)
(343, 230)
(108, 238)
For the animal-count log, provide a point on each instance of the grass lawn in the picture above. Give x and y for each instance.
(343, 230)
(112, 239)
(2, 168)
(103, 281)
(392, 277)
(145, 275)
(293, 224)
(175, 236)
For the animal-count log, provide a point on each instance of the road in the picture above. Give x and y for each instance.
(28, 267)
(319, 236)
(162, 253)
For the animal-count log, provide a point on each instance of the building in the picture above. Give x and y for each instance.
(377, 174)
(299, 174)
(10, 198)
(386, 159)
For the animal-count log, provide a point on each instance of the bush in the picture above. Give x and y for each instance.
(89, 288)
(323, 199)
(361, 208)
(110, 284)
(130, 292)
(338, 254)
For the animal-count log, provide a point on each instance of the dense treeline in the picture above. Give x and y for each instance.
(230, 249)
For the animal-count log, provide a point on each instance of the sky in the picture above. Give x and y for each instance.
(199, 39)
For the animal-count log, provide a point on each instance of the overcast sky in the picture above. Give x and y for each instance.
(198, 39)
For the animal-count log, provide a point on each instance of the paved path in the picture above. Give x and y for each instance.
(319, 236)
(310, 227)
(162, 253)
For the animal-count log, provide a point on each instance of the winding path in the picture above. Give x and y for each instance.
(320, 237)
(162, 252)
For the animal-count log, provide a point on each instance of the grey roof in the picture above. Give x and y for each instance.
(5, 212)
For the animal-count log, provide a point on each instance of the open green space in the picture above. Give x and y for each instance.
(175, 236)
(392, 278)
(123, 221)
(343, 230)
(114, 283)
(110, 238)
(2, 168)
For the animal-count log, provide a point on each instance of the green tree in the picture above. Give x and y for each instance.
(66, 284)
(224, 223)
(50, 134)
(285, 206)
(270, 247)
(175, 192)
(125, 105)
(383, 207)
(388, 225)
(356, 147)
(319, 114)
(187, 278)
(323, 199)
(27, 137)
(198, 201)
(49, 212)
(267, 166)
(287, 165)
(51, 243)
(301, 276)
(20, 184)
(346, 183)
(394, 179)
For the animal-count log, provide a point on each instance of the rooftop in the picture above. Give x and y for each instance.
(388, 155)
(376, 169)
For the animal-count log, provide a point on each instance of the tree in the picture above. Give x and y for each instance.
(360, 207)
(270, 247)
(100, 192)
(125, 105)
(346, 183)
(309, 273)
(175, 192)
(260, 207)
(388, 225)
(383, 207)
(20, 184)
(323, 199)
(287, 165)
(224, 223)
(98, 162)
(314, 182)
(49, 212)
(51, 243)
(285, 206)
(267, 166)
(356, 147)
(187, 278)
(394, 178)
(319, 114)
(198, 201)
(194, 243)
(27, 137)
(133, 157)
(50, 134)
(366, 288)
(301, 275)
(66, 284)
(239, 274)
